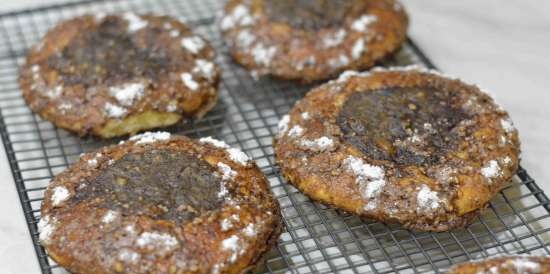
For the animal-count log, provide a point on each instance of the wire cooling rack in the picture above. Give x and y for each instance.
(317, 238)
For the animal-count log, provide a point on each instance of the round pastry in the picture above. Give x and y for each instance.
(157, 204)
(119, 74)
(505, 265)
(310, 40)
(402, 145)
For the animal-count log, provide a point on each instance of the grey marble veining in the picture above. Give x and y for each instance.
(503, 46)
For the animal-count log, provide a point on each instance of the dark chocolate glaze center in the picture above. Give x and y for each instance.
(110, 55)
(160, 184)
(409, 126)
(308, 14)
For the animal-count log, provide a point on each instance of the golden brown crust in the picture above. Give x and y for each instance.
(505, 265)
(445, 193)
(368, 32)
(85, 236)
(119, 74)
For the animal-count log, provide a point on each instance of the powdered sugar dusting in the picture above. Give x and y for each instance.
(127, 94)
(226, 171)
(371, 205)
(162, 241)
(204, 68)
(239, 16)
(235, 154)
(334, 39)
(370, 178)
(127, 255)
(301, 64)
(174, 33)
(172, 107)
(35, 70)
(54, 92)
(295, 131)
(187, 79)
(346, 75)
(114, 111)
(59, 195)
(93, 162)
(282, 126)
(130, 229)
(507, 125)
(250, 230)
(363, 170)
(46, 227)
(491, 170)
(109, 216)
(340, 61)
(223, 191)
(193, 44)
(374, 188)
(214, 142)
(65, 106)
(227, 223)
(358, 48)
(305, 115)
(263, 55)
(245, 38)
(100, 16)
(427, 199)
(232, 244)
(135, 22)
(238, 156)
(362, 23)
(150, 137)
(321, 144)
(523, 265)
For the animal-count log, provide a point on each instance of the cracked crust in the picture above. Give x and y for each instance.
(267, 38)
(422, 193)
(114, 75)
(515, 264)
(87, 232)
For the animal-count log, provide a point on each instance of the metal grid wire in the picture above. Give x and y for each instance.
(317, 238)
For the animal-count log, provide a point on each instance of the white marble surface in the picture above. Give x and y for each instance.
(501, 45)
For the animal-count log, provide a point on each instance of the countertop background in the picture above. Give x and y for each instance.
(503, 46)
